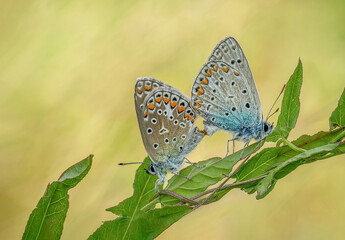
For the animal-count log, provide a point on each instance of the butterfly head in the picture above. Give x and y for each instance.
(266, 129)
(152, 169)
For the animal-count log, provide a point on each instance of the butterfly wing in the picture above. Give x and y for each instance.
(220, 95)
(230, 52)
(166, 120)
(143, 87)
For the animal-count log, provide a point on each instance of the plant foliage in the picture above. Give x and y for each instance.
(146, 214)
(46, 220)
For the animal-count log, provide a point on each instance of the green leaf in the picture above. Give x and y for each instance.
(47, 219)
(266, 185)
(141, 226)
(134, 222)
(337, 118)
(144, 189)
(290, 106)
(213, 171)
(268, 158)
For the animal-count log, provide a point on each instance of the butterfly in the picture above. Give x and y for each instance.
(166, 121)
(225, 95)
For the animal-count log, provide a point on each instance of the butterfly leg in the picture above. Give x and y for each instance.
(193, 164)
(160, 181)
(245, 145)
(233, 146)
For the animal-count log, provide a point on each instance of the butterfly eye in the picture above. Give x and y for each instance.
(152, 169)
(265, 127)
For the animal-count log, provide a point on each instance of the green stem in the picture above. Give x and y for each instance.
(338, 137)
(291, 145)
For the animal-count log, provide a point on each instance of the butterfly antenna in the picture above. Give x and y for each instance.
(272, 114)
(133, 163)
(268, 115)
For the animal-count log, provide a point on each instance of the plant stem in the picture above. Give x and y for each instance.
(291, 145)
(178, 196)
(231, 185)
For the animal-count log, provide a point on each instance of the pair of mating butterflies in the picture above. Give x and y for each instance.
(223, 93)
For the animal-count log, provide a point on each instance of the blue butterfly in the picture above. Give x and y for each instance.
(166, 121)
(225, 95)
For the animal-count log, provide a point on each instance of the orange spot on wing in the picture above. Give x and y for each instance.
(200, 90)
(145, 113)
(151, 106)
(166, 100)
(180, 109)
(215, 68)
(225, 69)
(197, 105)
(139, 91)
(173, 104)
(236, 73)
(148, 88)
(159, 99)
(193, 120)
(190, 117)
(208, 74)
(186, 115)
(205, 81)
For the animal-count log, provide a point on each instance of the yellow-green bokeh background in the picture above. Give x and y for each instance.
(67, 73)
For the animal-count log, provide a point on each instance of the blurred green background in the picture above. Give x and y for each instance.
(67, 72)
